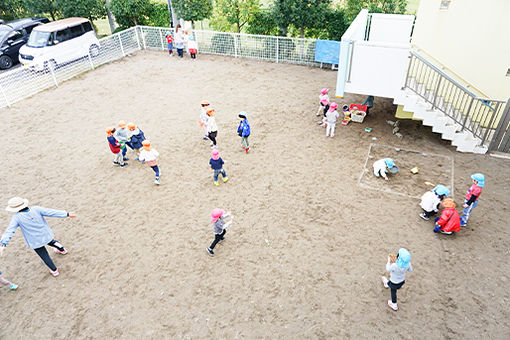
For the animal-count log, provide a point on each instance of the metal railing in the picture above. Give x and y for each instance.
(22, 82)
(480, 116)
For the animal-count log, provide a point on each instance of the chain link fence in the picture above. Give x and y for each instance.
(24, 82)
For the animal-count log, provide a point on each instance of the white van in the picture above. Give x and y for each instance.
(59, 42)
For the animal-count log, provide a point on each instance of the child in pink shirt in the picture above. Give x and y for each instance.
(471, 200)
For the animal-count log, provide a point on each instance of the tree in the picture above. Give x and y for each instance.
(374, 6)
(237, 12)
(300, 13)
(91, 9)
(263, 22)
(193, 10)
(11, 9)
(336, 24)
(158, 15)
(131, 12)
(41, 7)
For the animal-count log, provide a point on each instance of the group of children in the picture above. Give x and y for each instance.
(182, 40)
(130, 135)
(447, 223)
(329, 112)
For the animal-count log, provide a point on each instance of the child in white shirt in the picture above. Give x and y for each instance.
(149, 155)
(331, 117)
(431, 199)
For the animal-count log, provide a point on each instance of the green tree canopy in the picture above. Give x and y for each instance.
(42, 7)
(91, 9)
(193, 10)
(237, 13)
(131, 12)
(263, 22)
(11, 9)
(300, 13)
(353, 7)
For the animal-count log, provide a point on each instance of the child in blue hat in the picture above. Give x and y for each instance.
(431, 199)
(471, 200)
(397, 267)
(382, 166)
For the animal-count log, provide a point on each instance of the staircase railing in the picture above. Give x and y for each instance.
(480, 116)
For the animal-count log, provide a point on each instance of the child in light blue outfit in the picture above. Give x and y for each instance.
(397, 272)
(471, 199)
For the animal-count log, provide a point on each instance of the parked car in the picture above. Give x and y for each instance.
(59, 42)
(13, 35)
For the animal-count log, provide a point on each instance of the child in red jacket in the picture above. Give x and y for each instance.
(471, 200)
(449, 221)
(115, 147)
(169, 41)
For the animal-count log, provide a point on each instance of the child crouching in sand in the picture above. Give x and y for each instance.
(219, 227)
(149, 155)
(431, 199)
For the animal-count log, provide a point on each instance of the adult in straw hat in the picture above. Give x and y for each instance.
(35, 229)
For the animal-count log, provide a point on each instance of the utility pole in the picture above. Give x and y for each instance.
(171, 12)
(111, 20)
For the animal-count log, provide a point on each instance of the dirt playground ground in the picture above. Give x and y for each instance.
(137, 266)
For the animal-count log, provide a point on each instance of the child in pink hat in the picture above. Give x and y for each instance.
(219, 227)
(331, 117)
(217, 165)
(323, 101)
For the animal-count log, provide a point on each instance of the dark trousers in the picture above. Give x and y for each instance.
(43, 253)
(393, 288)
(130, 145)
(217, 238)
(326, 108)
(429, 214)
(124, 151)
(212, 136)
(156, 170)
(193, 55)
(180, 52)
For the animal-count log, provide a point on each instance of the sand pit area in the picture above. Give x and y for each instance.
(137, 265)
(430, 166)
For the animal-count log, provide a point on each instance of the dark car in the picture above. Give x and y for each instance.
(13, 35)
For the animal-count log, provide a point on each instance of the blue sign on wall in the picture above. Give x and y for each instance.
(327, 51)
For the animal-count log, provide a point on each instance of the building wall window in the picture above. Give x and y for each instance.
(445, 4)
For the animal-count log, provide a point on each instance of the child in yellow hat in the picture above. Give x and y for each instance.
(149, 155)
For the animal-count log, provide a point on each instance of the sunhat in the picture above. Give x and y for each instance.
(15, 204)
(146, 145)
(404, 257)
(448, 203)
(215, 154)
(204, 102)
(389, 162)
(324, 90)
(122, 124)
(210, 112)
(131, 126)
(324, 102)
(110, 130)
(242, 114)
(333, 106)
(441, 190)
(216, 214)
(480, 178)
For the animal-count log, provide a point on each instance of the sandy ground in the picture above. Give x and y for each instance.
(137, 265)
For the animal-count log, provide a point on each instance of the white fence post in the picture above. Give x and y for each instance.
(90, 60)
(137, 39)
(50, 67)
(121, 47)
(161, 36)
(5, 97)
(277, 49)
(143, 38)
(235, 46)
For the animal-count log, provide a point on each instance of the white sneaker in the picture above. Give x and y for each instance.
(422, 215)
(392, 305)
(156, 181)
(385, 281)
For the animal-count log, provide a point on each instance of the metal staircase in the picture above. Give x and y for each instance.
(468, 121)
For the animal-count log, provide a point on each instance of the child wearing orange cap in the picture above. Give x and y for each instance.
(203, 117)
(149, 155)
(449, 221)
(212, 128)
(115, 147)
(219, 227)
(136, 137)
(121, 134)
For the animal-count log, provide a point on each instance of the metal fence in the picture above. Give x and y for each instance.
(480, 116)
(23, 82)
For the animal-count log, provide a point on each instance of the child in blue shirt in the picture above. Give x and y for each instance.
(217, 165)
(243, 130)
